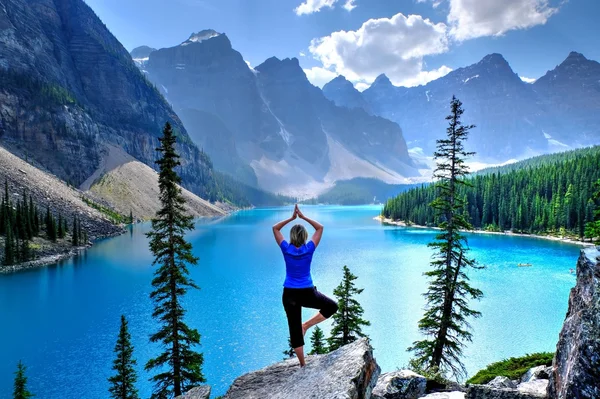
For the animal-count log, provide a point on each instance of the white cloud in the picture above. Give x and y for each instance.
(527, 80)
(349, 6)
(302, 54)
(312, 6)
(319, 76)
(394, 46)
(361, 86)
(475, 18)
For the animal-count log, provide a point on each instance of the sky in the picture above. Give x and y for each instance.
(411, 41)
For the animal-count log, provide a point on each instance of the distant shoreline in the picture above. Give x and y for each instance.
(511, 234)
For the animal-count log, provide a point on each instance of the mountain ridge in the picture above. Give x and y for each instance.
(274, 125)
(514, 119)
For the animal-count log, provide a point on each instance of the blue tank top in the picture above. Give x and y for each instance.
(297, 264)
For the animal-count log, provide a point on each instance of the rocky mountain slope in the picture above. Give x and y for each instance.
(571, 95)
(48, 191)
(514, 119)
(131, 186)
(269, 125)
(68, 87)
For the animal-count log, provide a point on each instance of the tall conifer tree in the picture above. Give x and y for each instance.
(179, 366)
(122, 384)
(10, 252)
(445, 322)
(20, 388)
(347, 322)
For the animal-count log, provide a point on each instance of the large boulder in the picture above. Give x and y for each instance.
(501, 382)
(201, 392)
(350, 372)
(576, 365)
(402, 384)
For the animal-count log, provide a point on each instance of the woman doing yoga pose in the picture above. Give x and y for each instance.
(299, 291)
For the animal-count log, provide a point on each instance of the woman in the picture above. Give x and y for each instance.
(299, 291)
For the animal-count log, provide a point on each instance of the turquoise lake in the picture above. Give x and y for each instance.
(63, 320)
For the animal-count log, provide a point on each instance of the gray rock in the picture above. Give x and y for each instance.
(576, 365)
(536, 387)
(445, 395)
(402, 384)
(348, 373)
(487, 392)
(502, 382)
(201, 392)
(536, 373)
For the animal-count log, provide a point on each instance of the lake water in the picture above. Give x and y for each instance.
(62, 320)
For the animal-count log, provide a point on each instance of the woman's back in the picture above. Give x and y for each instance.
(297, 264)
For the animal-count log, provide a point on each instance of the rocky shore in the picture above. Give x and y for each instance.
(504, 233)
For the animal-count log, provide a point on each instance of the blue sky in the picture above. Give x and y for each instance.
(412, 41)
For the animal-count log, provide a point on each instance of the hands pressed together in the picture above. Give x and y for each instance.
(297, 213)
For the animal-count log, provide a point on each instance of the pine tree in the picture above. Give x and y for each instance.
(61, 231)
(20, 388)
(75, 233)
(130, 217)
(9, 246)
(592, 229)
(179, 365)
(25, 251)
(317, 340)
(122, 384)
(347, 322)
(445, 320)
(289, 353)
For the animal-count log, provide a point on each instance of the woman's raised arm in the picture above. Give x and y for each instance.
(278, 226)
(316, 238)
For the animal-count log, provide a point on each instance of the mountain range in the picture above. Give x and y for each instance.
(70, 91)
(268, 125)
(513, 119)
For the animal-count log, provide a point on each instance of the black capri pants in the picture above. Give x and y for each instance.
(294, 299)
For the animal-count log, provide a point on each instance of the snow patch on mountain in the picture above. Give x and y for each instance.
(472, 77)
(201, 36)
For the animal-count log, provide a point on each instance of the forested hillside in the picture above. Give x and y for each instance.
(547, 194)
(360, 191)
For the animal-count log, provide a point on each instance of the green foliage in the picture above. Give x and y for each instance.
(20, 388)
(512, 368)
(75, 232)
(592, 228)
(347, 322)
(114, 216)
(545, 195)
(18, 226)
(122, 384)
(317, 340)
(9, 246)
(360, 191)
(445, 322)
(179, 366)
(289, 352)
(432, 374)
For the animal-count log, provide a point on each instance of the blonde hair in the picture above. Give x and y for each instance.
(298, 235)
